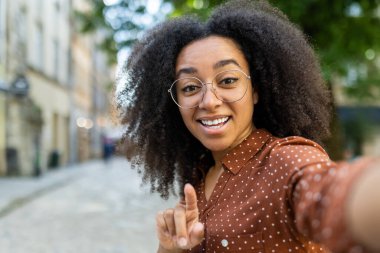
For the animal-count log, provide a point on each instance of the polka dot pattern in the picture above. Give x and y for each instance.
(272, 197)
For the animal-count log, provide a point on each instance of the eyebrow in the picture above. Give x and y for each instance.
(223, 63)
(219, 64)
(189, 70)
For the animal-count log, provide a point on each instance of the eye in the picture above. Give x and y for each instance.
(228, 80)
(191, 88)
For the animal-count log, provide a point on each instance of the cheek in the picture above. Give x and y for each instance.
(246, 109)
(186, 116)
(247, 113)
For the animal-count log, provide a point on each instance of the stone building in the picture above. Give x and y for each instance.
(91, 78)
(54, 120)
(3, 88)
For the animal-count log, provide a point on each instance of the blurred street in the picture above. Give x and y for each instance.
(63, 78)
(93, 207)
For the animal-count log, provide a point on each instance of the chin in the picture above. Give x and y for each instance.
(215, 146)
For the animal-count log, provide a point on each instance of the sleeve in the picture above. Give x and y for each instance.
(318, 190)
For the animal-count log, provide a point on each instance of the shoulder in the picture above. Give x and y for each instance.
(295, 150)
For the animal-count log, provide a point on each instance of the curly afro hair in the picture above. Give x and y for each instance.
(285, 70)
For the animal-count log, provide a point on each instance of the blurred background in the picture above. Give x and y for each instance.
(59, 60)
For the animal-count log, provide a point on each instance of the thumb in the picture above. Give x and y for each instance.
(196, 234)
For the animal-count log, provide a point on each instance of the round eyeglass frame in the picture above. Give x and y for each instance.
(212, 90)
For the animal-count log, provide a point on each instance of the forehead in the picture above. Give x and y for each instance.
(206, 52)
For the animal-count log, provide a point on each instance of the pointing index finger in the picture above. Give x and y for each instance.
(190, 198)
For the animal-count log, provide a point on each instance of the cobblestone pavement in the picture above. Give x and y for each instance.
(101, 208)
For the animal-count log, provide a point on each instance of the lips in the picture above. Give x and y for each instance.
(214, 123)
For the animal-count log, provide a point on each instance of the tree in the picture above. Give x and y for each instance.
(122, 22)
(345, 35)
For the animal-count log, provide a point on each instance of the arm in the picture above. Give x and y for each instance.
(323, 196)
(331, 202)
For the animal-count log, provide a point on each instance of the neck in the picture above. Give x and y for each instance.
(219, 155)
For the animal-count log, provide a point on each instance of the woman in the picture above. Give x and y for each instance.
(233, 110)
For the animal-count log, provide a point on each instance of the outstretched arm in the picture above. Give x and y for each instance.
(334, 204)
(338, 205)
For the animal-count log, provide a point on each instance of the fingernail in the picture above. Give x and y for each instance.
(182, 242)
(198, 226)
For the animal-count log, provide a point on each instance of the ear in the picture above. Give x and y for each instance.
(255, 97)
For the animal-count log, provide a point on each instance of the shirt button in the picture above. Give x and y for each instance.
(224, 243)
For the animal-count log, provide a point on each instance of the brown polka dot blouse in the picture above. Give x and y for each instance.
(277, 195)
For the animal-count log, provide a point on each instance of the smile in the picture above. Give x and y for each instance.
(216, 123)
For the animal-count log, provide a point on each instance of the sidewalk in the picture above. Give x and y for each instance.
(17, 191)
(94, 207)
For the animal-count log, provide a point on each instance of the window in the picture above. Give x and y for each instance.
(57, 6)
(18, 49)
(55, 131)
(39, 46)
(57, 16)
(2, 29)
(70, 68)
(56, 58)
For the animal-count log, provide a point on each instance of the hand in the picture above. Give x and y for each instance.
(364, 208)
(179, 228)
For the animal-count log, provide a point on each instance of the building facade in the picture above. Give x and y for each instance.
(52, 122)
(3, 87)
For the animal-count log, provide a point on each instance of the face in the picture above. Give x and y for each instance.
(218, 125)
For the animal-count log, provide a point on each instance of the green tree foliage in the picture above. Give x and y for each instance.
(345, 33)
(121, 22)
(94, 20)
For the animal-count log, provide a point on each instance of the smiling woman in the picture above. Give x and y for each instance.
(234, 109)
(221, 117)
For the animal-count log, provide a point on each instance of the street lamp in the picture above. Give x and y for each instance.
(20, 86)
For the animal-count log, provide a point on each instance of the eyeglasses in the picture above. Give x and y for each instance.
(228, 86)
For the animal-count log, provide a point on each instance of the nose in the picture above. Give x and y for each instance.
(209, 99)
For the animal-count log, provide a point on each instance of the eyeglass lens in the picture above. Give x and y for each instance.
(227, 86)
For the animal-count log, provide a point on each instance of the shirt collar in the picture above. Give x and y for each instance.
(242, 153)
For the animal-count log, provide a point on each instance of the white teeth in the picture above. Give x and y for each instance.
(214, 123)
